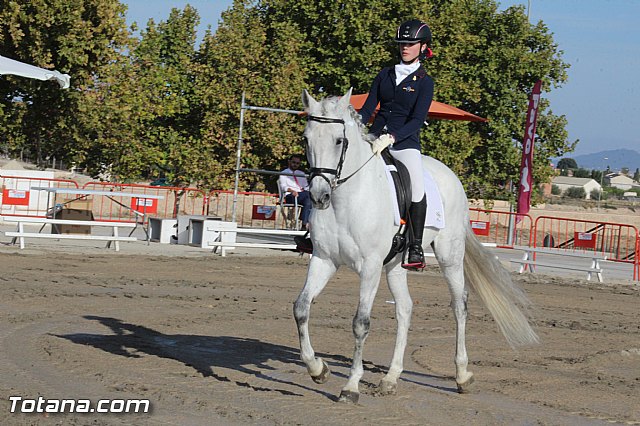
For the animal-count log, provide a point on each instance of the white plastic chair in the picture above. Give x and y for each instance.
(289, 212)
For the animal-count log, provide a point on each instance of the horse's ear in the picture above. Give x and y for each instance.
(345, 100)
(307, 100)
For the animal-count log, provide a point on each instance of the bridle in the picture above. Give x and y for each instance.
(319, 171)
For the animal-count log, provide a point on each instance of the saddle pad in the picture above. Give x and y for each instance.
(435, 209)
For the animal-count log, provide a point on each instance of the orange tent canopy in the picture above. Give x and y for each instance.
(437, 110)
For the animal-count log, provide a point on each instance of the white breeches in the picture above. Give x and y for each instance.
(412, 159)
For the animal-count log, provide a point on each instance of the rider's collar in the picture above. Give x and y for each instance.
(419, 73)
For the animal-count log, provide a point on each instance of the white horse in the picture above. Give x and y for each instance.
(352, 224)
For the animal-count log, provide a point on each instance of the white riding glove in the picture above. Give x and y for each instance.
(381, 143)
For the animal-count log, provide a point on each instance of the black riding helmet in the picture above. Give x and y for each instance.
(413, 31)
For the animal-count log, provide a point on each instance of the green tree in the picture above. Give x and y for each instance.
(485, 62)
(636, 175)
(575, 192)
(153, 110)
(157, 106)
(263, 59)
(79, 37)
(168, 111)
(567, 163)
(581, 173)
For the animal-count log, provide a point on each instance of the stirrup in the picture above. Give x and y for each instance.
(414, 266)
(415, 251)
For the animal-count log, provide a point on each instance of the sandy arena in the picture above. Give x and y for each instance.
(211, 340)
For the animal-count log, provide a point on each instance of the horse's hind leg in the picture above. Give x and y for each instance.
(454, 274)
(369, 281)
(319, 273)
(397, 281)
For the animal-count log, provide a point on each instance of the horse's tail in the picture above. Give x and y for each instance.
(493, 284)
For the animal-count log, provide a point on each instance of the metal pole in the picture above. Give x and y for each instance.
(528, 9)
(271, 172)
(238, 154)
(256, 108)
(511, 228)
(601, 188)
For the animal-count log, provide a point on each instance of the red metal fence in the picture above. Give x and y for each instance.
(253, 209)
(618, 241)
(175, 201)
(492, 227)
(17, 198)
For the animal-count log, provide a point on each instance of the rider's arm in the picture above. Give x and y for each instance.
(371, 103)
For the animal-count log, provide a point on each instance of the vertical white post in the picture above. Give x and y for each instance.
(511, 226)
(238, 155)
(115, 234)
(21, 231)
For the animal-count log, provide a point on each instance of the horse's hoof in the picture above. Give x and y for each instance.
(349, 397)
(387, 388)
(464, 387)
(324, 374)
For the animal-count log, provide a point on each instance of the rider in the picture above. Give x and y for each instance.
(405, 92)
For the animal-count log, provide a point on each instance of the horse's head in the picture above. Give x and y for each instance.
(330, 124)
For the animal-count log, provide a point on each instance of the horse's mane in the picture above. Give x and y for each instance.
(330, 105)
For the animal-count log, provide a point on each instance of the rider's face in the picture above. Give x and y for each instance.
(409, 52)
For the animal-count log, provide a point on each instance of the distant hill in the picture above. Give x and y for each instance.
(616, 159)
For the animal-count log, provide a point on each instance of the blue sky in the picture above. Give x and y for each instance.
(600, 39)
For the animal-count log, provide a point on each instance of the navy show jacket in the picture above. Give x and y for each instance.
(403, 108)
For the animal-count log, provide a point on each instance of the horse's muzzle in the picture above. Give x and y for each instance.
(322, 202)
(320, 194)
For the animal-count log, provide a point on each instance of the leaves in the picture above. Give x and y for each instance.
(160, 106)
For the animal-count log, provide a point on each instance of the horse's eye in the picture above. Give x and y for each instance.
(339, 141)
(305, 141)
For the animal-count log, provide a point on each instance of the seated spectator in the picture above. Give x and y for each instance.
(294, 185)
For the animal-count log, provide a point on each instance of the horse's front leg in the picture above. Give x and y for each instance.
(369, 281)
(319, 273)
(397, 281)
(455, 279)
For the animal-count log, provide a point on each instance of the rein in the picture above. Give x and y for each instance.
(318, 171)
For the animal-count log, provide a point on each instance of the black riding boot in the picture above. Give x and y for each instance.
(417, 214)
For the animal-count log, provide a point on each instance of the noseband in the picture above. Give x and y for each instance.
(319, 171)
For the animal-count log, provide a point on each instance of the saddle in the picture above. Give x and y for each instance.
(402, 183)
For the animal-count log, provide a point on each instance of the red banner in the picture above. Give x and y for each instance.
(526, 166)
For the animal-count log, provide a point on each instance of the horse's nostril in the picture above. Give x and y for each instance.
(325, 199)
